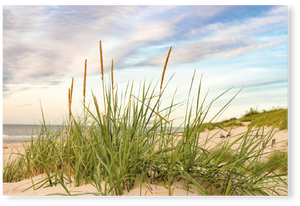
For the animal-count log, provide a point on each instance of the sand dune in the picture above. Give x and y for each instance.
(17, 188)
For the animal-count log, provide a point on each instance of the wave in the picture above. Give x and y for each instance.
(18, 138)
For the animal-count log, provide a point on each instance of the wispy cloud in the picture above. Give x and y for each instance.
(24, 105)
(257, 83)
(46, 43)
(49, 41)
(202, 50)
(229, 39)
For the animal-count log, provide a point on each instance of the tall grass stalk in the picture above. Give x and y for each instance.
(102, 73)
(162, 80)
(84, 90)
(70, 94)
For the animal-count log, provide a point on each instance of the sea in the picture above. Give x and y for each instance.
(21, 133)
(24, 133)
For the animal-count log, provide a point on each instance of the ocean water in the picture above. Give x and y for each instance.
(21, 133)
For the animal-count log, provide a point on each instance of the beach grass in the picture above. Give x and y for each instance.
(275, 116)
(133, 141)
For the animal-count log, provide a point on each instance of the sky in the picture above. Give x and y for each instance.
(238, 47)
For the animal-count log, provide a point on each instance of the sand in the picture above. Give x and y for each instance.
(281, 137)
(17, 188)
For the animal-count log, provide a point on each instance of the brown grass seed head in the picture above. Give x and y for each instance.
(101, 60)
(84, 80)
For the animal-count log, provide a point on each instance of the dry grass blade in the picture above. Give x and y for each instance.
(112, 75)
(102, 75)
(70, 99)
(96, 104)
(84, 81)
(84, 89)
(162, 79)
(69, 95)
(101, 60)
(72, 87)
(165, 67)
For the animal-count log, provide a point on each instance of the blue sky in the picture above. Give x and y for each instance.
(240, 46)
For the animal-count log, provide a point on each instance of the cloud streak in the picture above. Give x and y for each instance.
(24, 105)
(44, 43)
(228, 40)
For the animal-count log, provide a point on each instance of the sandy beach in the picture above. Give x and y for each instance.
(17, 188)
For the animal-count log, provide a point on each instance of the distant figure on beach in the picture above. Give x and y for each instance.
(221, 135)
(28, 148)
(228, 135)
(273, 142)
(264, 143)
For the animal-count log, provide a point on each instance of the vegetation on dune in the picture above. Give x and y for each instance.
(274, 117)
(132, 143)
(277, 160)
(225, 125)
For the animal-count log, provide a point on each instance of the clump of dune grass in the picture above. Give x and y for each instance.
(278, 117)
(276, 160)
(14, 169)
(225, 125)
(133, 143)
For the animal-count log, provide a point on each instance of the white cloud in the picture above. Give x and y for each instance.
(243, 50)
(210, 11)
(154, 31)
(240, 30)
(228, 40)
(54, 41)
(200, 50)
(39, 41)
(44, 45)
(278, 10)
